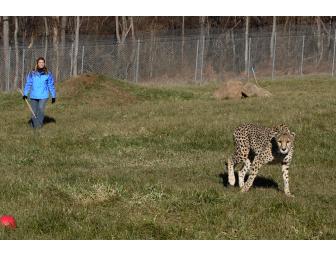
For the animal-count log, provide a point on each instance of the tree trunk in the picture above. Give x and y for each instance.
(202, 46)
(233, 51)
(46, 37)
(246, 42)
(208, 27)
(76, 46)
(202, 21)
(63, 29)
(125, 28)
(31, 41)
(273, 36)
(56, 49)
(122, 30)
(16, 52)
(329, 34)
(182, 46)
(117, 28)
(319, 40)
(5, 83)
(132, 28)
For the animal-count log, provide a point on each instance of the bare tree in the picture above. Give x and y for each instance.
(55, 47)
(182, 45)
(28, 31)
(132, 28)
(329, 32)
(46, 36)
(202, 46)
(152, 45)
(6, 51)
(247, 24)
(123, 28)
(16, 51)
(202, 23)
(273, 36)
(319, 40)
(233, 51)
(76, 45)
(30, 45)
(63, 29)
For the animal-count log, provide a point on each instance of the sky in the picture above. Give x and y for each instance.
(169, 8)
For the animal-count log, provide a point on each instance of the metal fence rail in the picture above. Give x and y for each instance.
(174, 59)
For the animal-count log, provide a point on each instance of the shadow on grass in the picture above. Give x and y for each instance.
(259, 181)
(46, 120)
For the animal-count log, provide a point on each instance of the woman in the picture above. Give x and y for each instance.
(39, 84)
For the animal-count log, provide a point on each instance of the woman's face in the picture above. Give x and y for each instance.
(40, 64)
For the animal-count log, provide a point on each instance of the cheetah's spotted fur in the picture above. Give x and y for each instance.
(255, 146)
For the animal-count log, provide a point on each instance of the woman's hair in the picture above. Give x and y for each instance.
(45, 69)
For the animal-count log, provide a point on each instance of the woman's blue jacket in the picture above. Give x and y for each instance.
(39, 85)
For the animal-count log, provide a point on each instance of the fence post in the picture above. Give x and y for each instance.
(302, 53)
(196, 67)
(137, 63)
(249, 60)
(23, 64)
(82, 59)
(273, 64)
(333, 63)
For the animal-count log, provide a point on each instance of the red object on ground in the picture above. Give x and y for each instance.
(8, 221)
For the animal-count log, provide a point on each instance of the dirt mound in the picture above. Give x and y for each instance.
(250, 90)
(75, 85)
(234, 89)
(231, 90)
(90, 86)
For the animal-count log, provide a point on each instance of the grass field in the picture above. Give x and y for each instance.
(129, 162)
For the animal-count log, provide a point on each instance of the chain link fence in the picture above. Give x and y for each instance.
(189, 59)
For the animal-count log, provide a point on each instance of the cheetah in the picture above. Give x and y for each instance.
(256, 146)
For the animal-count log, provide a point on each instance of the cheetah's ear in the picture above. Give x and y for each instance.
(293, 134)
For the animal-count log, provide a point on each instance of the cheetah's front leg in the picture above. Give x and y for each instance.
(258, 161)
(230, 165)
(253, 173)
(243, 171)
(284, 169)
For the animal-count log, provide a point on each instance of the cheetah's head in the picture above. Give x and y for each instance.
(285, 141)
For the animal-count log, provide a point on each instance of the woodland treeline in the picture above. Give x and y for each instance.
(62, 38)
(28, 30)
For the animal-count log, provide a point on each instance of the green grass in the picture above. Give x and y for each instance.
(129, 162)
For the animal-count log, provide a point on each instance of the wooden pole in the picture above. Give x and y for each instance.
(29, 106)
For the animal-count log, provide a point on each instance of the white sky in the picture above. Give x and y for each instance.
(167, 8)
